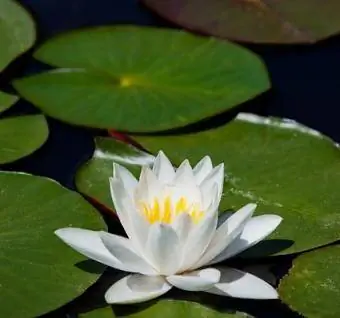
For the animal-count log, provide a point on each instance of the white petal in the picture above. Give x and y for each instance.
(148, 187)
(127, 178)
(202, 169)
(123, 204)
(198, 240)
(122, 249)
(163, 168)
(163, 248)
(235, 283)
(182, 225)
(133, 223)
(216, 176)
(136, 288)
(196, 281)
(184, 175)
(89, 244)
(226, 233)
(255, 230)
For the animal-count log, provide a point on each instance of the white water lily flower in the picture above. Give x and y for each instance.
(171, 219)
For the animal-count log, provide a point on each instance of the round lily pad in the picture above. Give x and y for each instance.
(38, 272)
(168, 309)
(284, 167)
(261, 21)
(20, 136)
(17, 31)
(141, 78)
(312, 285)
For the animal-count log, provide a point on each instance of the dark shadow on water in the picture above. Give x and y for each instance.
(90, 266)
(267, 248)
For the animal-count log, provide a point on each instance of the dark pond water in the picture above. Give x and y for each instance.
(306, 87)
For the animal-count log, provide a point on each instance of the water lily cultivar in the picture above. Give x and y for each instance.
(174, 235)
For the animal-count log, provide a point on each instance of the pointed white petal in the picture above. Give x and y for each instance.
(127, 178)
(216, 176)
(136, 288)
(89, 244)
(235, 283)
(132, 221)
(184, 175)
(226, 233)
(163, 248)
(148, 187)
(122, 249)
(163, 168)
(198, 240)
(192, 194)
(196, 281)
(255, 230)
(123, 204)
(202, 169)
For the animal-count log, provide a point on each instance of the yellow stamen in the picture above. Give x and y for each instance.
(166, 212)
(181, 205)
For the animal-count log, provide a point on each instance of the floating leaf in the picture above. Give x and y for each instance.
(262, 21)
(106, 312)
(169, 309)
(38, 271)
(123, 77)
(312, 285)
(285, 168)
(17, 31)
(20, 136)
(92, 178)
(6, 101)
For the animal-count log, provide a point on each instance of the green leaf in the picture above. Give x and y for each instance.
(17, 31)
(169, 309)
(262, 21)
(106, 312)
(20, 136)
(312, 285)
(122, 77)
(286, 168)
(6, 101)
(92, 178)
(38, 272)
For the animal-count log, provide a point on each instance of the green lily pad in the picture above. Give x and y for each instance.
(6, 101)
(92, 179)
(122, 77)
(106, 312)
(38, 272)
(20, 136)
(286, 168)
(312, 287)
(262, 21)
(17, 31)
(169, 309)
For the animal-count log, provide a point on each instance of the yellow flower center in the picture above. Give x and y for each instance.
(164, 211)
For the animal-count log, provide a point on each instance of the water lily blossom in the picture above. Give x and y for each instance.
(174, 236)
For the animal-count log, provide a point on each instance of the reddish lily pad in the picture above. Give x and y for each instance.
(261, 21)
